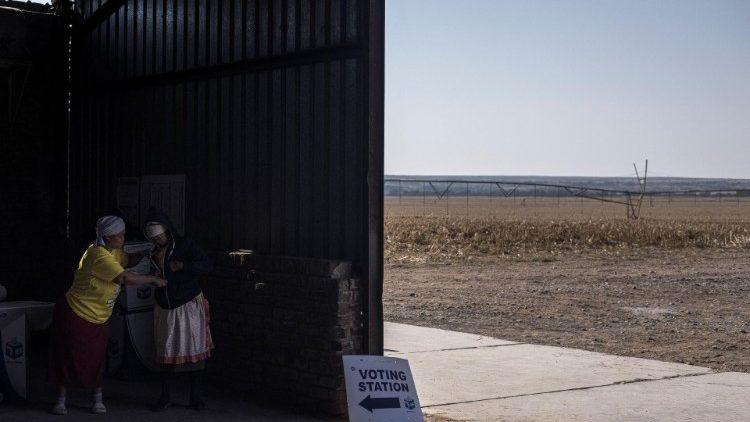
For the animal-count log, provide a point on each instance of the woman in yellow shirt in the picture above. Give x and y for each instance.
(79, 326)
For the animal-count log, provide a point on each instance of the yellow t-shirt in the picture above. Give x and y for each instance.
(93, 293)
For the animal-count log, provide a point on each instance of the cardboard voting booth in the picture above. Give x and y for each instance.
(16, 320)
(131, 352)
(134, 298)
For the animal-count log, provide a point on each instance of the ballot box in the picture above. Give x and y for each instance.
(131, 353)
(17, 319)
(141, 297)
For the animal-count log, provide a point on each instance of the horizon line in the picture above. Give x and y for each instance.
(395, 175)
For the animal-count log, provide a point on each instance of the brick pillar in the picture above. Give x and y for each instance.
(281, 325)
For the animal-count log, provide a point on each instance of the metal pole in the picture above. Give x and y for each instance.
(467, 199)
(68, 119)
(447, 199)
(374, 76)
(491, 210)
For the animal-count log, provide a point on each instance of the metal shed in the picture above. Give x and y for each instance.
(33, 122)
(271, 109)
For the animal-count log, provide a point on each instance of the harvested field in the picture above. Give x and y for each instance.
(545, 208)
(423, 239)
(667, 288)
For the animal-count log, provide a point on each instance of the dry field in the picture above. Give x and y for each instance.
(544, 208)
(553, 227)
(673, 286)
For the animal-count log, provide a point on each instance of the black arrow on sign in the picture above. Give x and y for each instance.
(384, 403)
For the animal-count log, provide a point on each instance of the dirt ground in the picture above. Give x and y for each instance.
(687, 305)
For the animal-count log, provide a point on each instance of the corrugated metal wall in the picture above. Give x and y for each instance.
(264, 105)
(33, 131)
(272, 149)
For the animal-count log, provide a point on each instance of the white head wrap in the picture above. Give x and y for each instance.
(107, 226)
(153, 229)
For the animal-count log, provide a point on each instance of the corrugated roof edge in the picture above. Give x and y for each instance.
(27, 6)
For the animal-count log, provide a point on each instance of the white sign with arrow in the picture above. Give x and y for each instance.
(380, 389)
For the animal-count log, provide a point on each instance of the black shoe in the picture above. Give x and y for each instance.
(197, 404)
(161, 405)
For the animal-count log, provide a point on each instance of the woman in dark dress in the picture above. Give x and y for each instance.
(181, 315)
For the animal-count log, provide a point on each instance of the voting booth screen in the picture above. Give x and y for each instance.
(131, 352)
(13, 365)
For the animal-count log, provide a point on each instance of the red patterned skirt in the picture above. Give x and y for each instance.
(77, 350)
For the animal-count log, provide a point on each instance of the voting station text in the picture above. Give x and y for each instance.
(382, 380)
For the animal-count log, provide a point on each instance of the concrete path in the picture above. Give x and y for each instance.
(468, 377)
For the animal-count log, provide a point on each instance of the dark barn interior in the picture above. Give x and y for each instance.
(33, 149)
(258, 124)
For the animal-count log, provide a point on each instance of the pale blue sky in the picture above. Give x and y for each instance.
(545, 87)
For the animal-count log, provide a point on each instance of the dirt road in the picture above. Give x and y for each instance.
(686, 305)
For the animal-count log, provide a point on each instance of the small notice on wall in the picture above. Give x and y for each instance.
(128, 198)
(135, 195)
(380, 389)
(167, 193)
